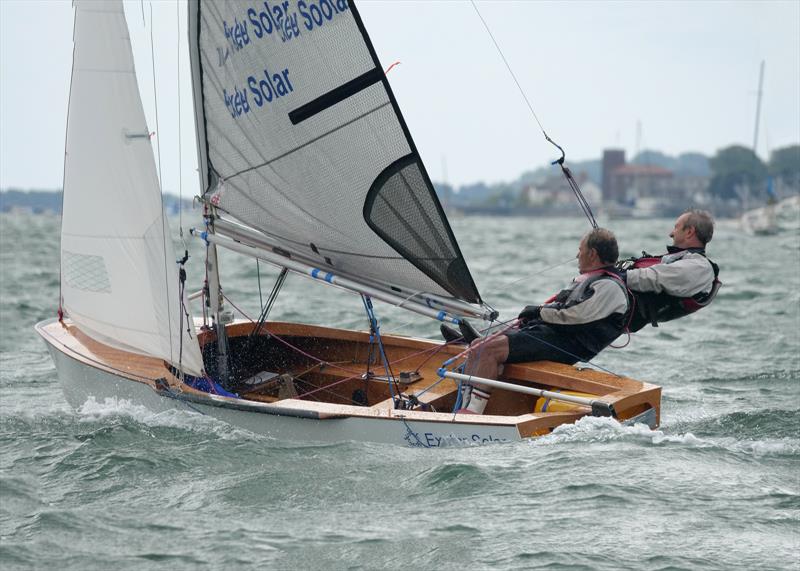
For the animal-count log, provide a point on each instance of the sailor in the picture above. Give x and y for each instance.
(574, 325)
(679, 282)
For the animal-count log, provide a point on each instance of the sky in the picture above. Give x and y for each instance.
(672, 76)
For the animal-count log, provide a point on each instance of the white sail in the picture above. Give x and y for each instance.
(119, 277)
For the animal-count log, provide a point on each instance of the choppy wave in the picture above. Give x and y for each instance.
(767, 424)
(125, 411)
(782, 442)
(114, 485)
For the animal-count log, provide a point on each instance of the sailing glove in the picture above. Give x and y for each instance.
(530, 313)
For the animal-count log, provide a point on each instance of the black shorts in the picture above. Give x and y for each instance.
(541, 343)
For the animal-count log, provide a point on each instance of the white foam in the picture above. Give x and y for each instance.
(605, 429)
(760, 448)
(113, 407)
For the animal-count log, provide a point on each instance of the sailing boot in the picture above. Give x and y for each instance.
(451, 335)
(468, 331)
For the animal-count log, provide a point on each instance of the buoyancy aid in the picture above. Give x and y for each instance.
(654, 308)
(594, 336)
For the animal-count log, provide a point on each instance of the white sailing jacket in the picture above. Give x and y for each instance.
(588, 300)
(682, 274)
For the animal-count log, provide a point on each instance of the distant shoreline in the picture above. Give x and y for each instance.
(49, 202)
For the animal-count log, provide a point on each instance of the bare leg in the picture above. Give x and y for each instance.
(486, 362)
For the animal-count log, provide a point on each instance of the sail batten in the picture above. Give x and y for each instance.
(302, 135)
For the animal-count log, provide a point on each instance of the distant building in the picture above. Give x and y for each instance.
(651, 189)
(629, 182)
(612, 159)
(555, 191)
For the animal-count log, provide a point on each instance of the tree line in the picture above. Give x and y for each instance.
(737, 168)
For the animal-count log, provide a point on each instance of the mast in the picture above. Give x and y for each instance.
(214, 300)
(758, 106)
(208, 183)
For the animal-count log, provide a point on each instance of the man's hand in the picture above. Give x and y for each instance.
(530, 313)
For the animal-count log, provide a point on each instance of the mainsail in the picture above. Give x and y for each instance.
(119, 279)
(300, 138)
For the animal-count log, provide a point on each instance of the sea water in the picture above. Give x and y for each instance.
(115, 486)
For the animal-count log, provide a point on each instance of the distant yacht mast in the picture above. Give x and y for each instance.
(758, 106)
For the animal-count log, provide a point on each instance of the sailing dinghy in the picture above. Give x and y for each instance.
(305, 163)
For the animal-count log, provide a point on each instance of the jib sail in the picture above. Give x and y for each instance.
(119, 279)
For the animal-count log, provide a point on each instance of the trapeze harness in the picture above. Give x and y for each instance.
(654, 308)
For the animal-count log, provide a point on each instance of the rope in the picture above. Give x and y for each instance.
(628, 333)
(375, 334)
(540, 272)
(327, 387)
(390, 375)
(184, 313)
(573, 184)
(284, 342)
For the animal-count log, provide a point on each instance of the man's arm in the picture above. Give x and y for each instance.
(607, 298)
(682, 278)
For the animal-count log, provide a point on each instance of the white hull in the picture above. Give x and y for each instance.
(773, 218)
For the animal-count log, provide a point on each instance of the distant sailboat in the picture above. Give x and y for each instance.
(306, 163)
(761, 220)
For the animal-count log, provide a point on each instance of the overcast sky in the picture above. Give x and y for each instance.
(687, 72)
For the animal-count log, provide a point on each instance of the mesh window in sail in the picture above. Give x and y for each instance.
(403, 210)
(85, 272)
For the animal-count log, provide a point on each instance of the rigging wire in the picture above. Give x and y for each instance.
(265, 309)
(155, 98)
(182, 271)
(258, 276)
(375, 336)
(533, 275)
(567, 174)
(164, 225)
(508, 67)
(493, 292)
(180, 149)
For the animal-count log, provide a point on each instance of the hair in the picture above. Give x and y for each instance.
(604, 243)
(702, 223)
